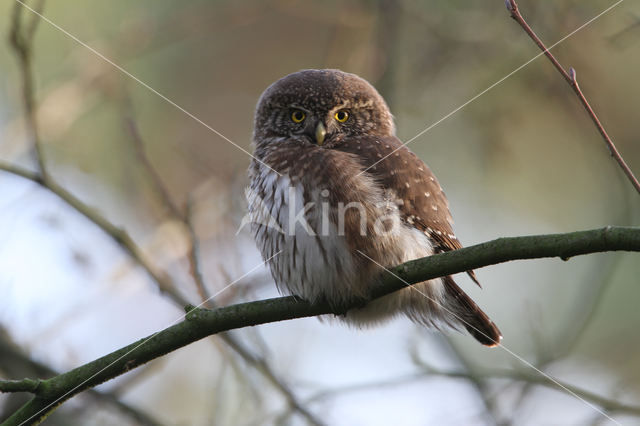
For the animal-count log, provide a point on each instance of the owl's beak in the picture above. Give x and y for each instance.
(321, 132)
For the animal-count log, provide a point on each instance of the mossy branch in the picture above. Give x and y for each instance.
(200, 323)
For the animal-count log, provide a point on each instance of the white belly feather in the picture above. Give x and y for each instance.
(309, 258)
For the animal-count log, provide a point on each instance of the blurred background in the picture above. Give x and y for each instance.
(521, 159)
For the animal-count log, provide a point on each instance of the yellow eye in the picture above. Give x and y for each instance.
(297, 116)
(341, 116)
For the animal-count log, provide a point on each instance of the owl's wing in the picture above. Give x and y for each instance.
(424, 206)
(423, 202)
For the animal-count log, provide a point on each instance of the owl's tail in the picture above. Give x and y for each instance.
(469, 315)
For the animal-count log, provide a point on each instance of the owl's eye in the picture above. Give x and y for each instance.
(298, 116)
(342, 116)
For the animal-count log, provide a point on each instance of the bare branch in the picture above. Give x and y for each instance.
(21, 38)
(481, 375)
(117, 234)
(571, 78)
(605, 403)
(194, 256)
(156, 180)
(479, 386)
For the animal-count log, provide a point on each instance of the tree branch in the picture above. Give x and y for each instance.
(563, 246)
(25, 385)
(14, 360)
(21, 39)
(200, 323)
(482, 375)
(605, 403)
(479, 386)
(117, 234)
(156, 181)
(571, 78)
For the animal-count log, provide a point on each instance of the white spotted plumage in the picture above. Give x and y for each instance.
(318, 266)
(359, 168)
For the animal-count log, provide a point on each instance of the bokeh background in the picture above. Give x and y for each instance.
(521, 159)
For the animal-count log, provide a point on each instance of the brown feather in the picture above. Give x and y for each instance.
(473, 318)
(424, 203)
(424, 206)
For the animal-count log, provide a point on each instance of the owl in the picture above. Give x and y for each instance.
(335, 198)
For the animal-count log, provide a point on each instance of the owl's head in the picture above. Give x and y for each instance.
(321, 107)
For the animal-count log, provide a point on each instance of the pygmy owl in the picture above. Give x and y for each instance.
(335, 197)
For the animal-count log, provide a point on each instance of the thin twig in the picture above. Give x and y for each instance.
(610, 405)
(479, 375)
(21, 39)
(479, 386)
(117, 234)
(186, 218)
(194, 255)
(571, 78)
(156, 180)
(367, 386)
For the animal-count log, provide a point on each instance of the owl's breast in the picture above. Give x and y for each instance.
(325, 227)
(296, 235)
